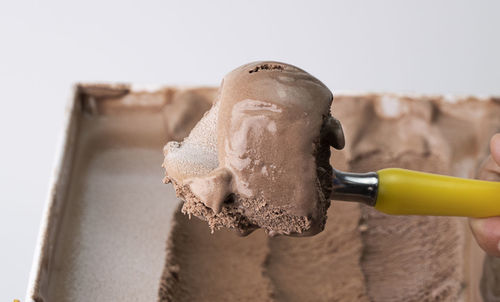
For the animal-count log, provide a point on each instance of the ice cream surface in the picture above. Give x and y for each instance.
(362, 255)
(260, 156)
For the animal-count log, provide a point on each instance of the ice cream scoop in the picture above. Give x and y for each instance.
(406, 192)
(260, 158)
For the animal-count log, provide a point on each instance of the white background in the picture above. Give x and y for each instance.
(46, 46)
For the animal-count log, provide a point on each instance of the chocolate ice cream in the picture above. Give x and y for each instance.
(260, 156)
(362, 255)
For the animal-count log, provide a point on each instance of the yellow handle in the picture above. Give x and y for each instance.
(405, 192)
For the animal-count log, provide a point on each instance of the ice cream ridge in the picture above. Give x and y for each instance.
(259, 158)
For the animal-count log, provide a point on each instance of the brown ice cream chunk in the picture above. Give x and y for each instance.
(259, 157)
